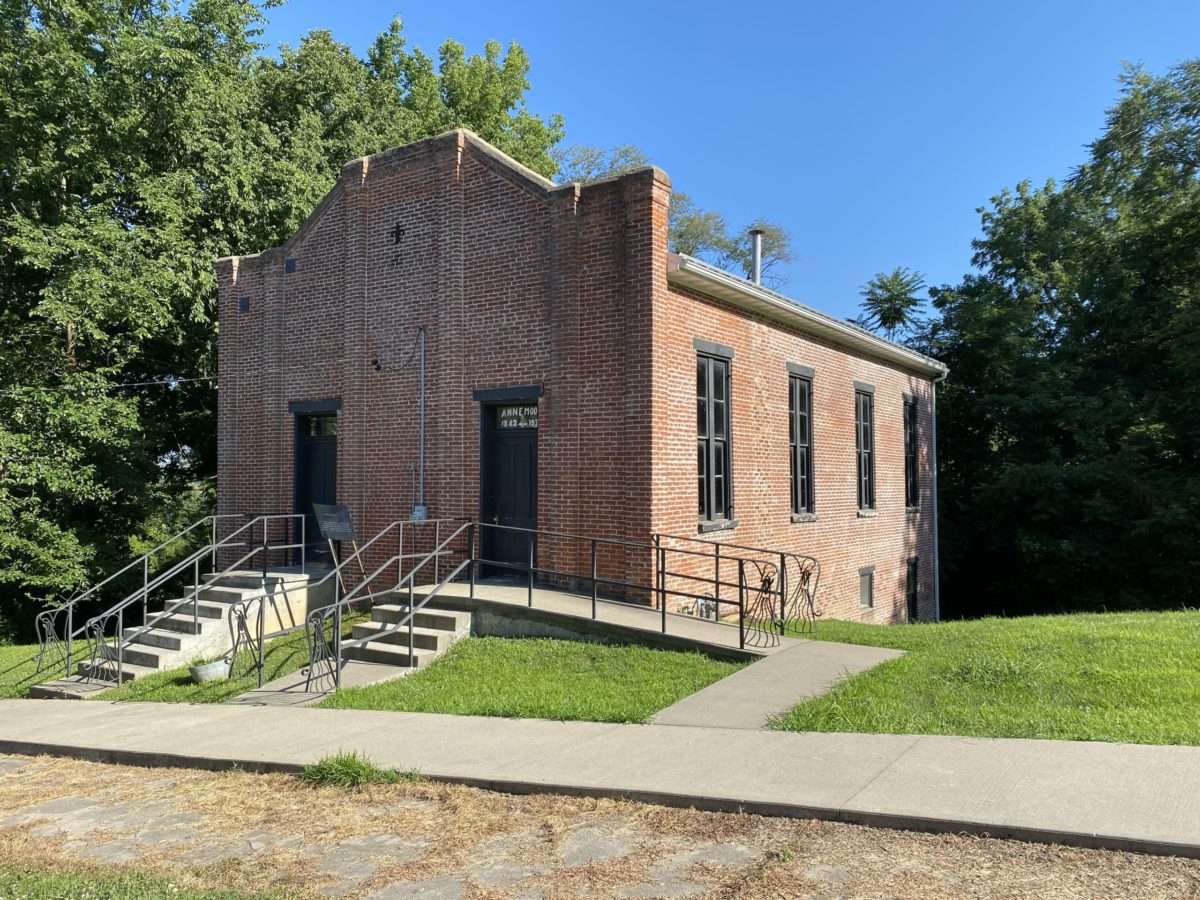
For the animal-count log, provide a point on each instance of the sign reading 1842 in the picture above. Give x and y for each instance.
(516, 416)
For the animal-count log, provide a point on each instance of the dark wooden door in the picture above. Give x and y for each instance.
(509, 496)
(316, 474)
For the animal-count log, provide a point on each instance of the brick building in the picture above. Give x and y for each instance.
(580, 378)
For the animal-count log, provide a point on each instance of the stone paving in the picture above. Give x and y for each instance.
(426, 840)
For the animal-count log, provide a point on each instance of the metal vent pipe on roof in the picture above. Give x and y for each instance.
(756, 255)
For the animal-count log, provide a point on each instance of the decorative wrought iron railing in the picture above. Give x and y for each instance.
(248, 617)
(789, 604)
(107, 656)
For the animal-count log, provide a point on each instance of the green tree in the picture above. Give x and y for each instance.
(693, 231)
(1070, 421)
(140, 141)
(891, 304)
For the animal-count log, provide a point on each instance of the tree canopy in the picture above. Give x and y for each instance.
(694, 231)
(1070, 423)
(139, 141)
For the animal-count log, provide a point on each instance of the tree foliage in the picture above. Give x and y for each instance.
(891, 303)
(139, 141)
(1070, 422)
(694, 231)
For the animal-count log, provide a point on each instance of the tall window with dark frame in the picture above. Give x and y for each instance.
(911, 497)
(800, 436)
(712, 438)
(864, 431)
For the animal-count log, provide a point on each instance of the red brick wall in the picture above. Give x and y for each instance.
(521, 282)
(842, 541)
(517, 282)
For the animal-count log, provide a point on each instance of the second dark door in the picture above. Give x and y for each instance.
(509, 489)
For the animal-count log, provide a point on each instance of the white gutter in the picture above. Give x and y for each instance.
(700, 276)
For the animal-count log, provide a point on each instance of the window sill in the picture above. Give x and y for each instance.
(717, 525)
(867, 513)
(797, 518)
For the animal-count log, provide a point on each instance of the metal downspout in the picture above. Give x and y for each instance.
(937, 573)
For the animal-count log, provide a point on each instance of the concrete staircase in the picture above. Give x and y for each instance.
(178, 638)
(434, 631)
(382, 656)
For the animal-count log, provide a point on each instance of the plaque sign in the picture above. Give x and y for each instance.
(524, 416)
(334, 522)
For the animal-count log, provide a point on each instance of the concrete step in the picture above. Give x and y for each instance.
(107, 671)
(389, 654)
(429, 617)
(163, 638)
(203, 610)
(144, 656)
(424, 638)
(73, 688)
(250, 579)
(177, 622)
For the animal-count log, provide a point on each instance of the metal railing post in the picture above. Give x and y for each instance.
(214, 544)
(532, 539)
(70, 638)
(437, 542)
(337, 647)
(400, 554)
(593, 578)
(782, 582)
(304, 545)
(145, 588)
(717, 579)
(120, 652)
(741, 604)
(471, 557)
(662, 591)
(264, 551)
(262, 615)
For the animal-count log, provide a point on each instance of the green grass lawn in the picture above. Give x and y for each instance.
(29, 881)
(1130, 677)
(539, 678)
(18, 672)
(283, 656)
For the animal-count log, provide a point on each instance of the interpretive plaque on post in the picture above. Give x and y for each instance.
(334, 522)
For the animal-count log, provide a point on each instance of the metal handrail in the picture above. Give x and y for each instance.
(320, 650)
(239, 614)
(97, 626)
(46, 621)
(661, 572)
(760, 584)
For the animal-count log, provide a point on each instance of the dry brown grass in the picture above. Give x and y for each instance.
(463, 826)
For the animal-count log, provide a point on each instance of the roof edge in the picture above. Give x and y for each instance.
(716, 282)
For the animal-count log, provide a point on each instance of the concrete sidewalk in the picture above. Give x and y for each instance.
(1120, 796)
(750, 697)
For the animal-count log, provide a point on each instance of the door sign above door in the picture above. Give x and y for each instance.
(517, 416)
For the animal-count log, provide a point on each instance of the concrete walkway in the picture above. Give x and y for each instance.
(773, 685)
(1119, 796)
(645, 621)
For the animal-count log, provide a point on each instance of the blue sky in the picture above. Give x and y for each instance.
(871, 131)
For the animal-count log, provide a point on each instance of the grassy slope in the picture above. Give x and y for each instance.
(544, 679)
(1132, 677)
(18, 672)
(284, 656)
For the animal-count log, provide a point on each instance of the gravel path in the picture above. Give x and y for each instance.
(270, 832)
